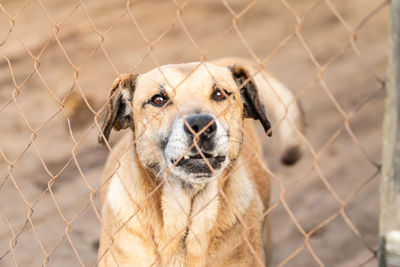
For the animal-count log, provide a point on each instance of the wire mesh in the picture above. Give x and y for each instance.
(58, 59)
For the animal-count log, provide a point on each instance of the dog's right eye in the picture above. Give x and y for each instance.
(158, 100)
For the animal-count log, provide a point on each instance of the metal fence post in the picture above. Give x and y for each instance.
(389, 221)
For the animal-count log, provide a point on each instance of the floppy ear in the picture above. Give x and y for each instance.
(252, 107)
(119, 106)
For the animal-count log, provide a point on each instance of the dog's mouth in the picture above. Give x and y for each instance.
(200, 164)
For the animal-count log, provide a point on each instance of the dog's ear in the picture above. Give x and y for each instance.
(119, 106)
(252, 107)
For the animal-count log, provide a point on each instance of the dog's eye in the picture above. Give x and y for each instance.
(219, 95)
(158, 100)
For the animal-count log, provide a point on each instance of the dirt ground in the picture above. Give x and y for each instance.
(36, 143)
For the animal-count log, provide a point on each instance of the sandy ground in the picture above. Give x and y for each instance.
(345, 162)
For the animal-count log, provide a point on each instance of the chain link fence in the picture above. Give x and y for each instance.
(58, 59)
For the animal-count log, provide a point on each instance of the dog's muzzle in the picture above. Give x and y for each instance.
(198, 146)
(201, 130)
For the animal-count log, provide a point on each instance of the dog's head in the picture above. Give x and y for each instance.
(187, 119)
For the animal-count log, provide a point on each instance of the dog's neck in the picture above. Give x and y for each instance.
(190, 216)
(193, 190)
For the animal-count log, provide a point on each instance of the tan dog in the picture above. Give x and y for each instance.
(187, 186)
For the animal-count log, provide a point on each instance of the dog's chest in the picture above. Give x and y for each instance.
(188, 220)
(176, 228)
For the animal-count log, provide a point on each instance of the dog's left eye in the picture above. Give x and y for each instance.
(158, 100)
(219, 95)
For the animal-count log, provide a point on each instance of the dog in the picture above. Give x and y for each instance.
(187, 185)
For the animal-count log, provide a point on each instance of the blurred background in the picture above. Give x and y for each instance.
(58, 59)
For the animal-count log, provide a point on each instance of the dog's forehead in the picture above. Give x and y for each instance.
(194, 75)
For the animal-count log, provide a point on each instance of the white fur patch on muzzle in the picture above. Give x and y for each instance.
(193, 157)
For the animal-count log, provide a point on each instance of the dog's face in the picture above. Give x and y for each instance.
(187, 119)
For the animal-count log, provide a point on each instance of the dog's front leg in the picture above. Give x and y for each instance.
(123, 244)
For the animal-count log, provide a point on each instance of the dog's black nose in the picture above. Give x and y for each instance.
(198, 122)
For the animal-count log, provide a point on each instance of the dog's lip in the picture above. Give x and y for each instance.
(198, 157)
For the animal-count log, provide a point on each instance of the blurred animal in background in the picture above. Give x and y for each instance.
(187, 185)
(77, 111)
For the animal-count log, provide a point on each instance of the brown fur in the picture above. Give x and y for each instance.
(149, 221)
